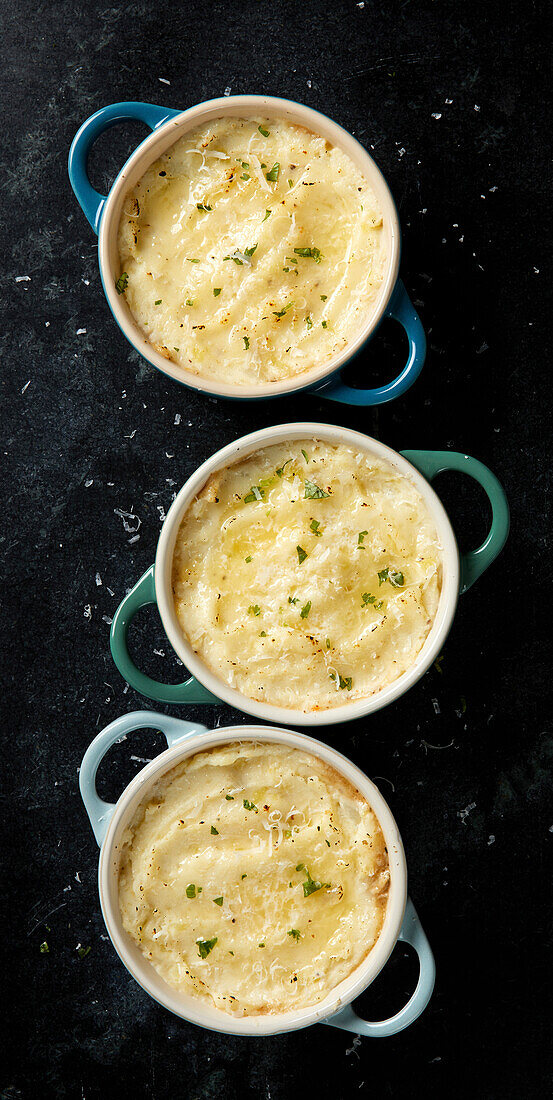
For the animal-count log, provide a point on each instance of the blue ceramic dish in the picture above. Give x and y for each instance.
(167, 126)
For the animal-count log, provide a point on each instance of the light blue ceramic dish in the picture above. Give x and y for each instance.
(103, 213)
(109, 823)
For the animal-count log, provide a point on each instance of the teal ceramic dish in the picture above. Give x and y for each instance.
(167, 126)
(460, 571)
(109, 823)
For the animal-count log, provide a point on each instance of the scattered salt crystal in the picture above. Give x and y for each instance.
(22, 278)
(361, 4)
(227, 91)
(29, 382)
(87, 612)
(106, 619)
(437, 114)
(177, 418)
(47, 324)
(98, 580)
(491, 839)
(159, 652)
(436, 706)
(476, 107)
(86, 282)
(449, 101)
(163, 80)
(135, 538)
(81, 332)
(463, 814)
(89, 481)
(309, 84)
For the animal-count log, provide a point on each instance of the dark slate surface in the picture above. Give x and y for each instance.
(453, 98)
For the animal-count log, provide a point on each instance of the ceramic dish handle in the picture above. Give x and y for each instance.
(474, 562)
(173, 729)
(411, 932)
(190, 691)
(90, 200)
(401, 309)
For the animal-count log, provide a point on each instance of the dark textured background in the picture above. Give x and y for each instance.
(465, 759)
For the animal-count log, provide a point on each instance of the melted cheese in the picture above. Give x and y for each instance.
(318, 632)
(271, 944)
(209, 245)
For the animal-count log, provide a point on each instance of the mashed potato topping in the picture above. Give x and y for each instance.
(255, 877)
(307, 575)
(251, 251)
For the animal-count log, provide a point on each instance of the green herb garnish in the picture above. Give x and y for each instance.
(159, 301)
(309, 322)
(249, 806)
(254, 609)
(396, 579)
(315, 527)
(367, 599)
(249, 558)
(324, 297)
(293, 599)
(305, 610)
(304, 453)
(255, 493)
(216, 291)
(313, 492)
(246, 342)
(281, 469)
(229, 797)
(122, 283)
(281, 312)
(263, 634)
(244, 176)
(243, 877)
(361, 537)
(290, 183)
(217, 901)
(328, 643)
(262, 131)
(44, 949)
(192, 261)
(294, 933)
(82, 952)
(201, 206)
(190, 301)
(214, 831)
(267, 215)
(301, 554)
(205, 946)
(250, 251)
(272, 176)
(309, 254)
(324, 324)
(311, 886)
(191, 890)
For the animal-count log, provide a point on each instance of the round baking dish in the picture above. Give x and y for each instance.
(459, 573)
(167, 126)
(110, 821)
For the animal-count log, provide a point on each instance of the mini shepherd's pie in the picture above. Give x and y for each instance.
(251, 251)
(255, 877)
(307, 575)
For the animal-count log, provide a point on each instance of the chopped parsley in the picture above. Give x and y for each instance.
(255, 493)
(243, 877)
(313, 492)
(367, 599)
(309, 254)
(305, 610)
(250, 251)
(191, 890)
(281, 312)
(396, 579)
(272, 176)
(343, 681)
(122, 283)
(291, 259)
(301, 554)
(205, 946)
(245, 163)
(261, 945)
(324, 297)
(214, 831)
(44, 949)
(361, 537)
(324, 324)
(311, 886)
(309, 322)
(249, 558)
(254, 609)
(190, 301)
(202, 206)
(250, 806)
(263, 131)
(229, 797)
(315, 527)
(217, 901)
(294, 933)
(216, 291)
(281, 469)
(246, 342)
(293, 599)
(267, 215)
(263, 634)
(328, 643)
(159, 301)
(304, 453)
(244, 176)
(192, 261)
